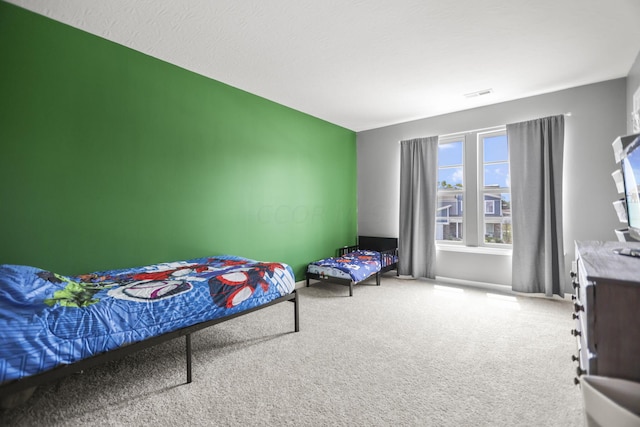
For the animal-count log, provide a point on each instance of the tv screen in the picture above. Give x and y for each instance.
(630, 165)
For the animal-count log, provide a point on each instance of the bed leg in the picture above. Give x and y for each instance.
(350, 289)
(378, 278)
(188, 336)
(307, 281)
(296, 313)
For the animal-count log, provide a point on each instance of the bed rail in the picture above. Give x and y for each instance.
(388, 260)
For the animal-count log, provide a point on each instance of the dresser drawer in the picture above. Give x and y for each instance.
(584, 308)
(586, 359)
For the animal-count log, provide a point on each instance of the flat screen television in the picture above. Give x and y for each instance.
(630, 165)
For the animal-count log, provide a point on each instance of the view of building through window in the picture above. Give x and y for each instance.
(450, 191)
(496, 193)
(488, 178)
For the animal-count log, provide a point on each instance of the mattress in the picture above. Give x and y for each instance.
(47, 319)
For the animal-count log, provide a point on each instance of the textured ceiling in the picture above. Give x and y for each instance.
(366, 64)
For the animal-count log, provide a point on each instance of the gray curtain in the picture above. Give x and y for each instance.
(535, 154)
(418, 175)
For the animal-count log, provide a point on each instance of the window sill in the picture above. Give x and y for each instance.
(488, 250)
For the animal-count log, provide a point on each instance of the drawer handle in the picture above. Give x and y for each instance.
(578, 307)
(575, 333)
(575, 316)
(580, 371)
(575, 284)
(572, 274)
(576, 381)
(575, 358)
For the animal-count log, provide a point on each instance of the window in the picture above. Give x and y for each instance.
(495, 191)
(489, 207)
(473, 171)
(450, 190)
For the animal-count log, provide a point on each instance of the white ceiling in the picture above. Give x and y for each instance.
(364, 64)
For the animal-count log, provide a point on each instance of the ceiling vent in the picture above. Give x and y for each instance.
(478, 93)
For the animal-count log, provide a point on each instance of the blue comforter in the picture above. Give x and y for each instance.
(47, 319)
(358, 265)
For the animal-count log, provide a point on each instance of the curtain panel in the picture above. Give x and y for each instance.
(418, 175)
(536, 150)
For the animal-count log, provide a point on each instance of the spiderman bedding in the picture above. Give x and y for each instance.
(48, 320)
(356, 265)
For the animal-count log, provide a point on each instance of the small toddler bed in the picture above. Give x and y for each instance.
(53, 325)
(354, 264)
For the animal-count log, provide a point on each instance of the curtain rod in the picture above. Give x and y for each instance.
(498, 127)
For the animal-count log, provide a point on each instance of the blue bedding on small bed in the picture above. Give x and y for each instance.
(358, 264)
(47, 319)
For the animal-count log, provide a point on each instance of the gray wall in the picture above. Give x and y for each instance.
(598, 116)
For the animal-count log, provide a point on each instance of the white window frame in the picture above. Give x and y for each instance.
(481, 188)
(448, 140)
(473, 225)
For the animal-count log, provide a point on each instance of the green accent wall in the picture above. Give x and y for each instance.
(110, 158)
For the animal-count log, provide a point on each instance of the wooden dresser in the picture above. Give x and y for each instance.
(607, 310)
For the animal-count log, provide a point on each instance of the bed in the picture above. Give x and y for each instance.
(53, 325)
(372, 256)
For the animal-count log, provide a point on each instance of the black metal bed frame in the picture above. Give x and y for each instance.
(65, 370)
(384, 245)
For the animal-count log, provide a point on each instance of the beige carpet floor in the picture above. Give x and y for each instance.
(407, 353)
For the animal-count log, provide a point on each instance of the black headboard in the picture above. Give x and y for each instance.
(378, 244)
